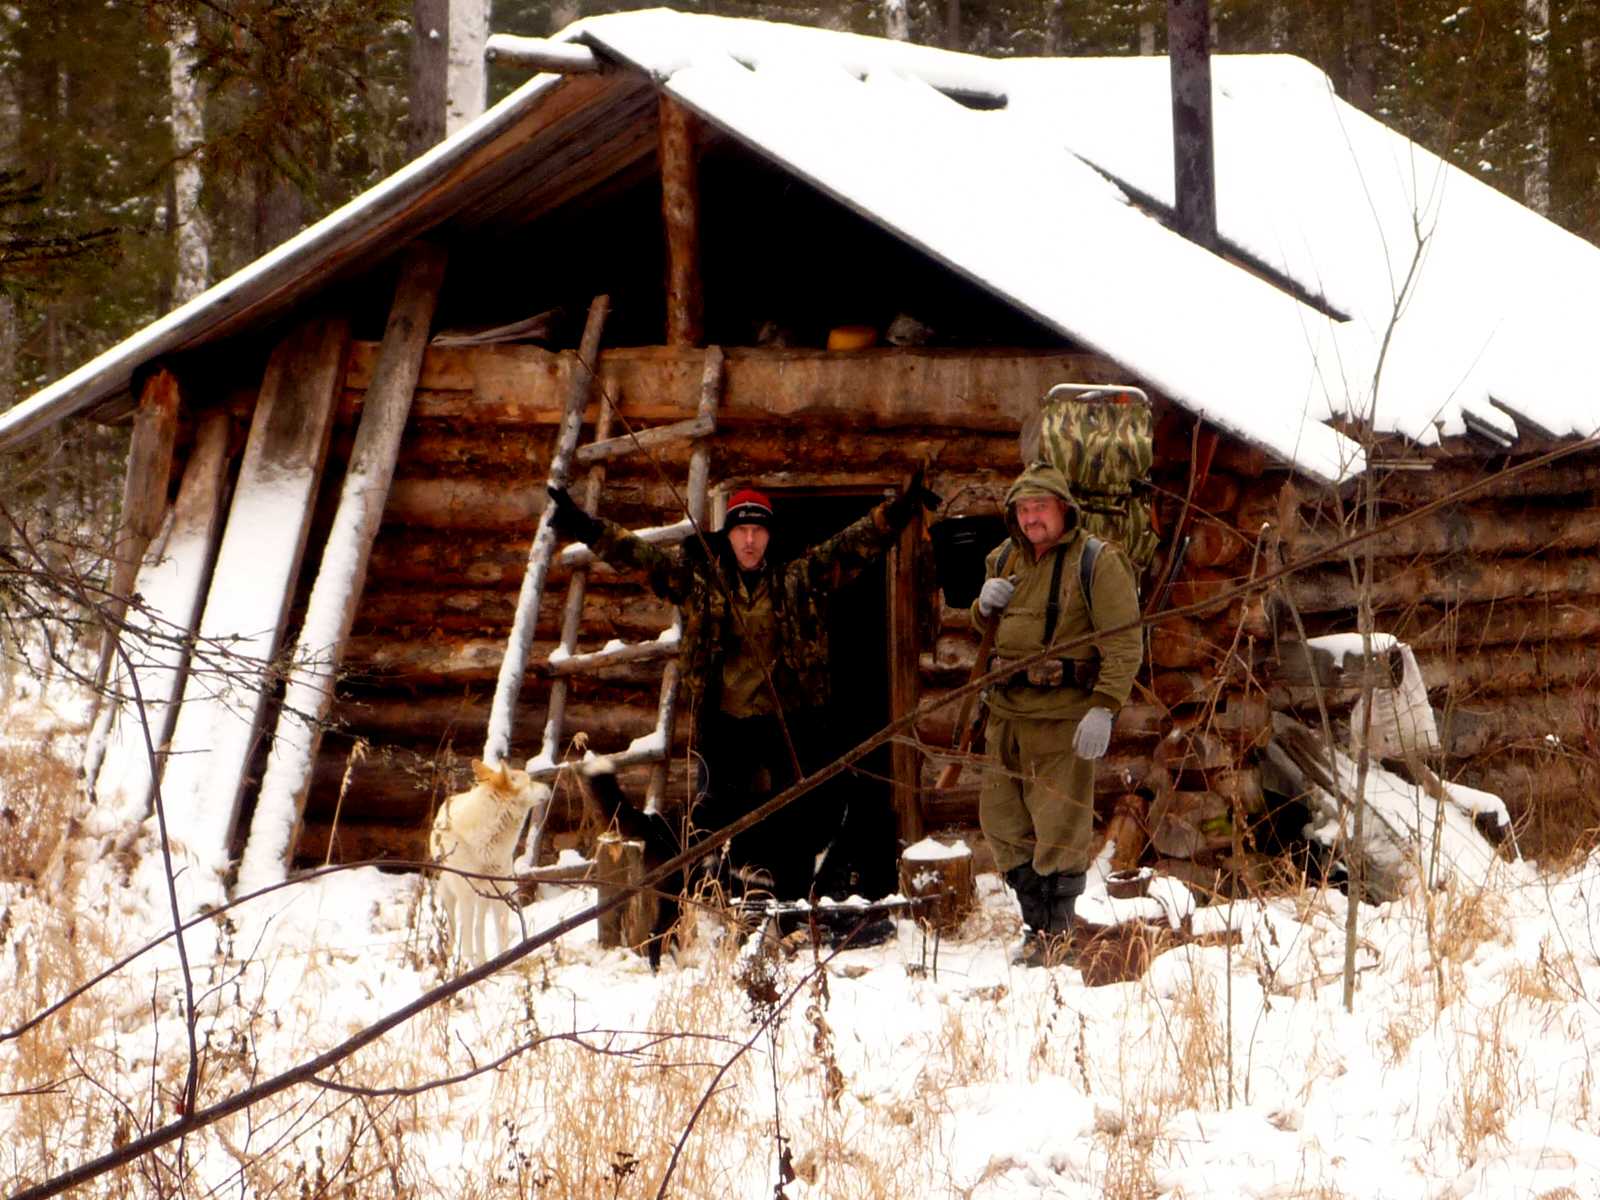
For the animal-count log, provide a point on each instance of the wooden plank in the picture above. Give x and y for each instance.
(172, 583)
(680, 212)
(330, 611)
(904, 686)
(498, 742)
(250, 593)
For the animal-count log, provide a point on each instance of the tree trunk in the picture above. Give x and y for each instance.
(896, 21)
(191, 234)
(469, 30)
(1361, 36)
(429, 72)
(1536, 178)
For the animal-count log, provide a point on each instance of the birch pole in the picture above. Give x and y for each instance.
(468, 80)
(192, 236)
(507, 688)
(1536, 178)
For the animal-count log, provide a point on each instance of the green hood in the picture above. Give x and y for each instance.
(1041, 477)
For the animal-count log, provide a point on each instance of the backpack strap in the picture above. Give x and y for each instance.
(1091, 554)
(1052, 608)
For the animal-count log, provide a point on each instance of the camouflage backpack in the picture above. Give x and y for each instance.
(1101, 439)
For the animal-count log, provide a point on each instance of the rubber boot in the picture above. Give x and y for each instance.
(1061, 892)
(1033, 899)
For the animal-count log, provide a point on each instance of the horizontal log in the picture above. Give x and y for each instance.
(426, 612)
(1446, 629)
(1532, 781)
(357, 842)
(405, 787)
(1454, 580)
(437, 663)
(1481, 530)
(886, 387)
(1550, 720)
(463, 720)
(1464, 673)
(1576, 476)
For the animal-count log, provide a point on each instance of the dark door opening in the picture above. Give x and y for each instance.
(863, 858)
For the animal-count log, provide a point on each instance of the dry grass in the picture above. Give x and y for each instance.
(38, 792)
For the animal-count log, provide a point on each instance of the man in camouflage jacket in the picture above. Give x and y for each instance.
(754, 664)
(1048, 723)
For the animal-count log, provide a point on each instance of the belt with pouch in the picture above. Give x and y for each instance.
(1080, 673)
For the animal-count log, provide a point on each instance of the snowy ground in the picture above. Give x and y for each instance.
(1229, 1069)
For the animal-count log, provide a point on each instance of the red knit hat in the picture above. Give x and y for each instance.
(748, 507)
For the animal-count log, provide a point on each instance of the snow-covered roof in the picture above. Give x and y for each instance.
(1032, 177)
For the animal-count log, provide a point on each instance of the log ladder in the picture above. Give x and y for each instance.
(565, 662)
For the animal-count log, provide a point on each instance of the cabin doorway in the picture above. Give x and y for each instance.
(864, 857)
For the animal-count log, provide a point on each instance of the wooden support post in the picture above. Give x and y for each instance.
(330, 611)
(680, 209)
(172, 582)
(509, 685)
(618, 867)
(144, 503)
(904, 685)
(712, 378)
(941, 877)
(251, 590)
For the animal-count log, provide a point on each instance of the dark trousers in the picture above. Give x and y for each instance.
(746, 762)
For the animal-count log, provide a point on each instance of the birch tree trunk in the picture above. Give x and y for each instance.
(192, 237)
(896, 20)
(1536, 179)
(469, 30)
(429, 74)
(564, 13)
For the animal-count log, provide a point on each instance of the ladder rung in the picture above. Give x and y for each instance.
(579, 555)
(573, 664)
(646, 439)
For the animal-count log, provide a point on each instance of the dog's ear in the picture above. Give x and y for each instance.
(492, 777)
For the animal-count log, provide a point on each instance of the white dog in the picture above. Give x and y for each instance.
(476, 831)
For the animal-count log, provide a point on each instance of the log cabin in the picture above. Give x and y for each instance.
(758, 253)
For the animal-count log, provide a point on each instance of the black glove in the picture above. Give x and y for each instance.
(899, 511)
(569, 521)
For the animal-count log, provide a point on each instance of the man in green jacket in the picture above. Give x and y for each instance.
(1048, 723)
(754, 663)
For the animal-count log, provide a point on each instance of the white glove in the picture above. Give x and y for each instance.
(996, 594)
(1094, 733)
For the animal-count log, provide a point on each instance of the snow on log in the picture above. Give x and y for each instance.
(308, 694)
(172, 583)
(252, 585)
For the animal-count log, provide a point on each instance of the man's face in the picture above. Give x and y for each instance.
(1043, 519)
(749, 545)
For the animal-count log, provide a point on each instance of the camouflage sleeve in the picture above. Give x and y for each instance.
(1116, 603)
(835, 562)
(667, 570)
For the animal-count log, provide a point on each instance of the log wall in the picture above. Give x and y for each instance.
(444, 573)
(1498, 596)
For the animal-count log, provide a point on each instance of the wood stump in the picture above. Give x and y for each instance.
(618, 867)
(941, 877)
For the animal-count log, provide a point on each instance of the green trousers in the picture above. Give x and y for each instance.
(1037, 800)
